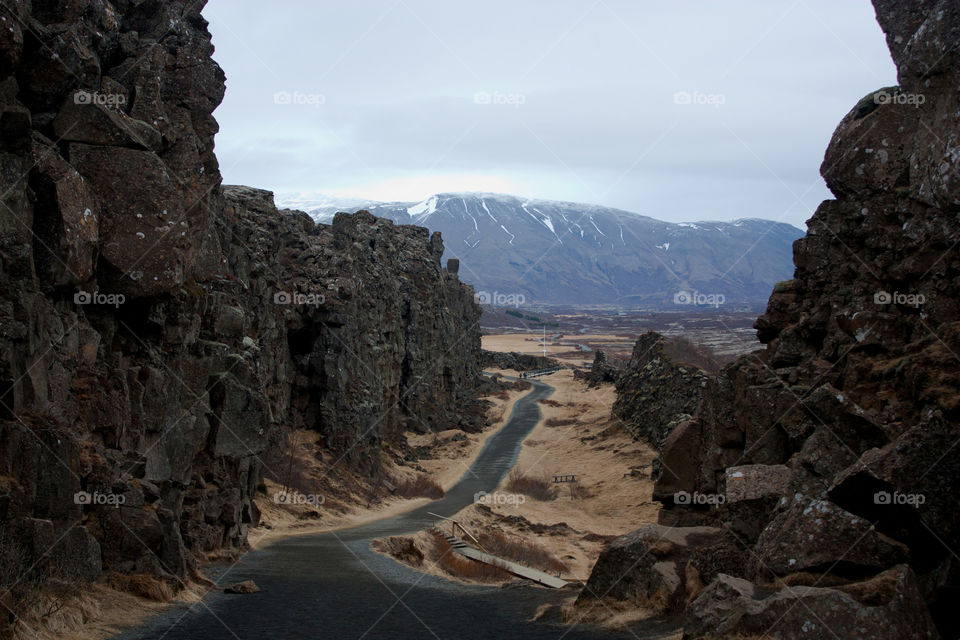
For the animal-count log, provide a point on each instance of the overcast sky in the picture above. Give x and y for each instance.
(681, 110)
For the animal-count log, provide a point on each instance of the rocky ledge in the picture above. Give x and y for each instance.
(829, 460)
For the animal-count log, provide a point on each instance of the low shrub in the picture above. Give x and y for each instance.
(536, 487)
(141, 584)
(522, 551)
(462, 567)
(419, 486)
(579, 492)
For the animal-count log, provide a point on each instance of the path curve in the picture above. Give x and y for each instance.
(332, 585)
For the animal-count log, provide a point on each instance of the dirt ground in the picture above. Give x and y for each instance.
(567, 348)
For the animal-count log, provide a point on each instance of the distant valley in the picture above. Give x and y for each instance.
(519, 251)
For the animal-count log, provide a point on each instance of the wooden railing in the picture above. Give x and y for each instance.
(540, 372)
(454, 525)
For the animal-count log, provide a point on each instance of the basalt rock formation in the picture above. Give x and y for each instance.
(831, 455)
(600, 372)
(516, 361)
(655, 393)
(155, 327)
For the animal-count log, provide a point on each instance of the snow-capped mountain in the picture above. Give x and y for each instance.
(567, 253)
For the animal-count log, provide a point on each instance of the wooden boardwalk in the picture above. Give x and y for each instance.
(539, 577)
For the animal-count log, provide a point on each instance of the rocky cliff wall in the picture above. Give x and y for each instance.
(829, 459)
(155, 326)
(655, 392)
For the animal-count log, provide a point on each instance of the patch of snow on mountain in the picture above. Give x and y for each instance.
(531, 214)
(425, 208)
(665, 246)
(596, 227)
(508, 233)
(466, 210)
(485, 208)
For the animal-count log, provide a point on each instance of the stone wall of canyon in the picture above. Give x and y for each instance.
(815, 491)
(156, 327)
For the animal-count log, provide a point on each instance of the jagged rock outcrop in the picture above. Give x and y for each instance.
(156, 326)
(600, 372)
(847, 423)
(655, 393)
(516, 361)
(660, 569)
(887, 606)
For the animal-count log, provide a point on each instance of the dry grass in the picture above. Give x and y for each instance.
(525, 552)
(462, 567)
(559, 422)
(290, 461)
(537, 487)
(141, 584)
(419, 486)
(580, 492)
(550, 403)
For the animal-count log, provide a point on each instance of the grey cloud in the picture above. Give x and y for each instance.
(378, 90)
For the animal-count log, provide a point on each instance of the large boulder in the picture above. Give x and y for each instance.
(85, 117)
(660, 569)
(757, 481)
(816, 535)
(888, 606)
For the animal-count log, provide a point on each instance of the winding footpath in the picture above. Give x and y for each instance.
(331, 585)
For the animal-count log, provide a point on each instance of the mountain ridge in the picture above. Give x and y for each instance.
(322, 208)
(555, 253)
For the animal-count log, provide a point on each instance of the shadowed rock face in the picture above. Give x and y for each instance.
(848, 420)
(155, 326)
